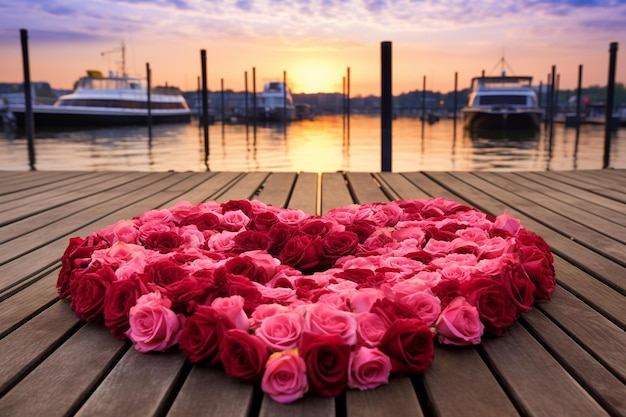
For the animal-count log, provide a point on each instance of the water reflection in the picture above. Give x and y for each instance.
(325, 144)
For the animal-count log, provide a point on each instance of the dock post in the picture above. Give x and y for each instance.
(223, 110)
(245, 83)
(385, 105)
(149, 104)
(254, 109)
(348, 99)
(205, 106)
(610, 102)
(284, 98)
(579, 94)
(423, 99)
(456, 89)
(29, 119)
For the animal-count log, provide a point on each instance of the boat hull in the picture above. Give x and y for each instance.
(490, 120)
(54, 116)
(276, 114)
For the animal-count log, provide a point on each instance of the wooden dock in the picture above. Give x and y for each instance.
(566, 357)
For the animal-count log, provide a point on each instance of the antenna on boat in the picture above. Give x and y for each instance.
(123, 50)
(503, 65)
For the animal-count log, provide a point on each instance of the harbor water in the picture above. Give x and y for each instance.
(325, 144)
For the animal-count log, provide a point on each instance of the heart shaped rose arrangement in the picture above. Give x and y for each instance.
(308, 303)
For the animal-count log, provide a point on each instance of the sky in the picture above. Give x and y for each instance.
(316, 42)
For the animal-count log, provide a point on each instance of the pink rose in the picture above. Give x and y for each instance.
(234, 220)
(324, 319)
(370, 329)
(281, 331)
(368, 368)
(291, 216)
(507, 223)
(264, 311)
(153, 325)
(425, 305)
(232, 308)
(285, 377)
(459, 324)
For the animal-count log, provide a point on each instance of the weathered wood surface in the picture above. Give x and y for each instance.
(566, 357)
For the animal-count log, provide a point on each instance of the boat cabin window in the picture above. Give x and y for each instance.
(503, 99)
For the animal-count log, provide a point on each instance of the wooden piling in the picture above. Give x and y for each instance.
(610, 103)
(29, 119)
(205, 105)
(579, 95)
(149, 104)
(385, 106)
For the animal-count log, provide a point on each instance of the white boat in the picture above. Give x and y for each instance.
(502, 102)
(276, 103)
(114, 100)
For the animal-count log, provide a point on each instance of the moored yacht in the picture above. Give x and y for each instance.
(502, 102)
(276, 103)
(114, 100)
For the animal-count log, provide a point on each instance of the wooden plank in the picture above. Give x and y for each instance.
(335, 192)
(30, 300)
(309, 406)
(208, 189)
(555, 183)
(31, 194)
(459, 383)
(432, 188)
(396, 399)
(59, 384)
(210, 392)
(30, 180)
(36, 221)
(399, 187)
(600, 382)
(24, 347)
(148, 379)
(581, 179)
(365, 188)
(277, 188)
(591, 330)
(598, 295)
(535, 380)
(305, 194)
(246, 187)
(607, 221)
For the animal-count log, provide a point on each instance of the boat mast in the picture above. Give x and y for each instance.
(123, 50)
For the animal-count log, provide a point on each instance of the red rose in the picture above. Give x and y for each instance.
(263, 221)
(327, 358)
(77, 255)
(409, 345)
(338, 244)
(537, 261)
(203, 221)
(88, 291)
(164, 272)
(315, 227)
(234, 205)
(243, 355)
(494, 304)
(245, 266)
(391, 311)
(163, 242)
(202, 333)
(280, 233)
(249, 240)
(118, 300)
(302, 252)
(447, 290)
(189, 292)
(362, 228)
(240, 285)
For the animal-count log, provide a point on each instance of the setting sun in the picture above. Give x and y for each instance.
(315, 76)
